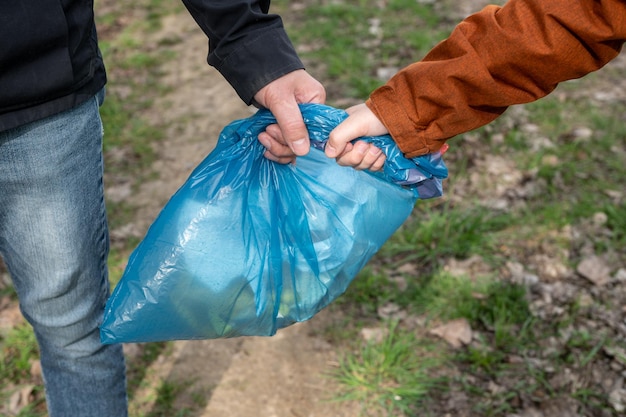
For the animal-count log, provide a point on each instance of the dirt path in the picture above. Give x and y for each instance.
(199, 104)
(281, 376)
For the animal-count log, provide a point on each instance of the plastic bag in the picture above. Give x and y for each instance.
(248, 246)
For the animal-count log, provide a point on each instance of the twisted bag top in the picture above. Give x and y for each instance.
(248, 246)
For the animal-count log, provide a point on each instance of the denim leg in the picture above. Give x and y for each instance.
(54, 240)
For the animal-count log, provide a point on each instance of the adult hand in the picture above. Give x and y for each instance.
(360, 155)
(290, 137)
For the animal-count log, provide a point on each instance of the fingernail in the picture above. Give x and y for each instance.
(266, 143)
(299, 146)
(330, 150)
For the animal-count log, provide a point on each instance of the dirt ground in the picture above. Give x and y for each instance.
(281, 376)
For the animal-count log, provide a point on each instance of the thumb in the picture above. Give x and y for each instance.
(340, 136)
(292, 126)
(360, 122)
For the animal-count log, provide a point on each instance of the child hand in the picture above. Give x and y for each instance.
(360, 155)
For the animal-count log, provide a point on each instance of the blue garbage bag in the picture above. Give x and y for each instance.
(248, 246)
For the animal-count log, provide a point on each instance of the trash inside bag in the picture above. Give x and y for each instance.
(248, 246)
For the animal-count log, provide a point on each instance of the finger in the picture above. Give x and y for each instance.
(292, 126)
(272, 139)
(274, 131)
(279, 159)
(370, 157)
(380, 162)
(353, 157)
(363, 156)
(275, 147)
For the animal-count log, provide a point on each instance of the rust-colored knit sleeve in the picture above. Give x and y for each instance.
(493, 59)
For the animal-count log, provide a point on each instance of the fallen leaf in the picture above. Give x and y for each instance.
(457, 332)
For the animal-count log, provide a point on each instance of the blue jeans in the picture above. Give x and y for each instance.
(54, 240)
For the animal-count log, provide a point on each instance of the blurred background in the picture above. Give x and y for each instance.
(504, 297)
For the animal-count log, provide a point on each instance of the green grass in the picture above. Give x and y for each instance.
(166, 396)
(389, 376)
(18, 352)
(616, 223)
(498, 312)
(123, 131)
(369, 290)
(443, 296)
(580, 163)
(348, 41)
(344, 44)
(498, 309)
(445, 231)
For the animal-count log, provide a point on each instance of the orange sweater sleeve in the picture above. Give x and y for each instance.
(498, 57)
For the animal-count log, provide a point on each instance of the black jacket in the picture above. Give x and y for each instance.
(50, 61)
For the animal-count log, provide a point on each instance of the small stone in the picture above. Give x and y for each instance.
(550, 160)
(35, 371)
(600, 218)
(620, 275)
(581, 133)
(595, 270)
(385, 73)
(391, 311)
(617, 399)
(550, 268)
(530, 128)
(20, 399)
(374, 334)
(617, 353)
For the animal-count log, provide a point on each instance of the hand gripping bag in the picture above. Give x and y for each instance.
(247, 246)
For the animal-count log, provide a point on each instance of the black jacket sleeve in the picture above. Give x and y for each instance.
(247, 45)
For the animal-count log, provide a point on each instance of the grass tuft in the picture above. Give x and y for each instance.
(391, 376)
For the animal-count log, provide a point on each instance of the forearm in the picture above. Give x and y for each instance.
(246, 44)
(494, 59)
